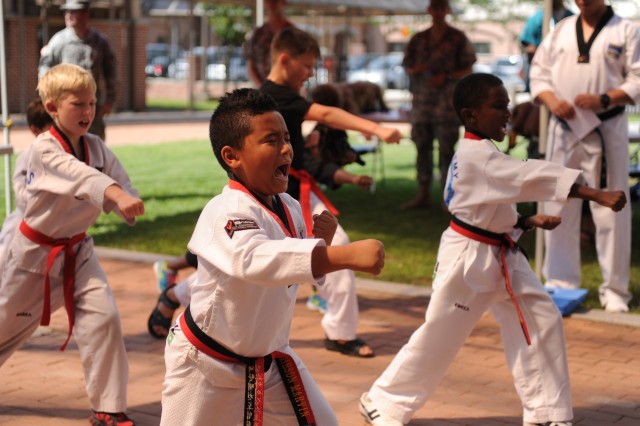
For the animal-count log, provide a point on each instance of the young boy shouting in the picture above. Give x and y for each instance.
(71, 178)
(228, 357)
(479, 267)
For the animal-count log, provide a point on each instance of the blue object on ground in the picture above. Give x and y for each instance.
(567, 300)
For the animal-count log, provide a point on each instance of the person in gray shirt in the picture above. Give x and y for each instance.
(82, 45)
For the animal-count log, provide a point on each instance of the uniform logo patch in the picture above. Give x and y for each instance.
(614, 51)
(239, 225)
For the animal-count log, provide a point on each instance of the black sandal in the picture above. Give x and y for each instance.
(350, 347)
(157, 319)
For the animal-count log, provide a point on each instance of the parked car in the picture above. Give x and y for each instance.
(386, 71)
(178, 69)
(158, 67)
(508, 69)
(359, 62)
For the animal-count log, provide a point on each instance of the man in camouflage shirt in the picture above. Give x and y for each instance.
(435, 59)
(81, 45)
(257, 49)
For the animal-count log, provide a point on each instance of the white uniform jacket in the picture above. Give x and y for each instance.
(614, 61)
(248, 267)
(483, 185)
(64, 195)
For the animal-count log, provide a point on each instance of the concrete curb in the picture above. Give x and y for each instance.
(367, 285)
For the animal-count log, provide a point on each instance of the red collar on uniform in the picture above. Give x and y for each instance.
(234, 184)
(470, 135)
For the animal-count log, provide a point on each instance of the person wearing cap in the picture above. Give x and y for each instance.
(82, 45)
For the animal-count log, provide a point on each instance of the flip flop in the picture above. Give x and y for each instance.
(156, 319)
(350, 347)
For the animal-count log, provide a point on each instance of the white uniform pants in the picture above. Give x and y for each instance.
(340, 322)
(182, 290)
(202, 391)
(96, 330)
(540, 370)
(613, 230)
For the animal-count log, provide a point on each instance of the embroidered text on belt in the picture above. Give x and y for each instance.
(256, 367)
(307, 186)
(57, 245)
(504, 242)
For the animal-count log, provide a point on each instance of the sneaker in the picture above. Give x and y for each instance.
(100, 418)
(548, 424)
(166, 277)
(615, 305)
(372, 415)
(317, 303)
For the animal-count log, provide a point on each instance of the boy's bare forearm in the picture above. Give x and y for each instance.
(343, 120)
(364, 256)
(615, 200)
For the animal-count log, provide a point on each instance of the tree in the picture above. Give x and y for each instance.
(230, 23)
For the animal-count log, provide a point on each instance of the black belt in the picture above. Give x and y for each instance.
(610, 113)
(603, 116)
(256, 367)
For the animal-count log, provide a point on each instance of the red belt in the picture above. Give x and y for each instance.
(256, 367)
(57, 245)
(505, 242)
(307, 186)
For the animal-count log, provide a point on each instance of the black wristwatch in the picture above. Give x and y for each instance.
(605, 100)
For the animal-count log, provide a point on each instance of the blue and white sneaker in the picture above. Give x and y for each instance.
(317, 303)
(166, 277)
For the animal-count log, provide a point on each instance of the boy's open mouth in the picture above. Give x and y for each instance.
(283, 171)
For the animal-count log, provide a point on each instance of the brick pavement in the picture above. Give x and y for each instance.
(39, 385)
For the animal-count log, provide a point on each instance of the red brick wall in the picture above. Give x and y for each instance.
(23, 55)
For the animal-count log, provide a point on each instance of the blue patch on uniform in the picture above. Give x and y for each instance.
(614, 50)
(453, 174)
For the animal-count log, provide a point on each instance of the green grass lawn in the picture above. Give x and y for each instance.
(177, 179)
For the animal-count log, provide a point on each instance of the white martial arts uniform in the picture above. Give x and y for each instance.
(64, 197)
(482, 186)
(243, 298)
(614, 63)
(340, 321)
(12, 221)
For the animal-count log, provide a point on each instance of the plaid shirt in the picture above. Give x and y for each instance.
(452, 53)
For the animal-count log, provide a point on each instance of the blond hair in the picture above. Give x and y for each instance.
(62, 79)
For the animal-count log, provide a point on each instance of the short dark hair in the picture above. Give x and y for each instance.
(472, 90)
(295, 42)
(230, 123)
(37, 115)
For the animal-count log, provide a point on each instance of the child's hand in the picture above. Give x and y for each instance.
(324, 226)
(389, 134)
(130, 206)
(367, 256)
(363, 181)
(615, 200)
(542, 221)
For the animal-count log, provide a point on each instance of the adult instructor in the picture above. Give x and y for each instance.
(604, 51)
(82, 45)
